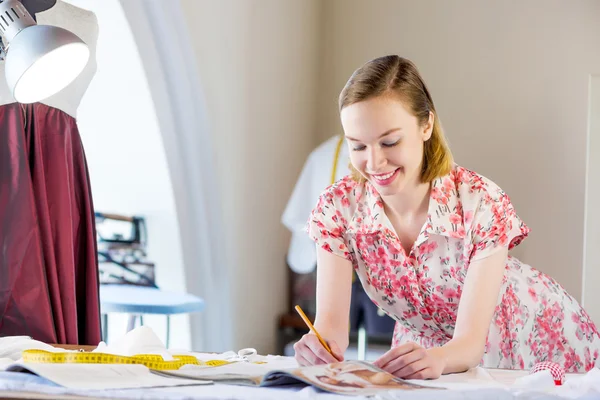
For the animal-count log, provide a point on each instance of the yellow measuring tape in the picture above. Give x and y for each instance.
(336, 157)
(151, 361)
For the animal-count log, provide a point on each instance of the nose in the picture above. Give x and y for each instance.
(375, 160)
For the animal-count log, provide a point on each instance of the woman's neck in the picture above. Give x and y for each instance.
(412, 201)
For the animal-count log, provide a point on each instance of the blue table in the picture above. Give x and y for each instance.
(140, 300)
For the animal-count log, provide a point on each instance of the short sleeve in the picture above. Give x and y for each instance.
(327, 226)
(496, 225)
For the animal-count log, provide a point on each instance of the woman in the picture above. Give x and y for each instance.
(429, 241)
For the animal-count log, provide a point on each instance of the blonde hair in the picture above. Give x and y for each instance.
(398, 77)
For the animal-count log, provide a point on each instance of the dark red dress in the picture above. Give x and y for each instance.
(48, 259)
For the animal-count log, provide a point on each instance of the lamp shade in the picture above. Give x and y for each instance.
(42, 60)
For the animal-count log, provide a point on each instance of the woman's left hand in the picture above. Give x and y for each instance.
(411, 361)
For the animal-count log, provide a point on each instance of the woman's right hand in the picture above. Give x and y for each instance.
(310, 351)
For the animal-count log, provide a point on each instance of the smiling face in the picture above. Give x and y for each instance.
(386, 142)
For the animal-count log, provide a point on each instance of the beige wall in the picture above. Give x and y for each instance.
(258, 62)
(591, 270)
(510, 82)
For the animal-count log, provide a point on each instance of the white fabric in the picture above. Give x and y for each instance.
(11, 348)
(579, 386)
(314, 178)
(141, 340)
(542, 380)
(82, 23)
(475, 384)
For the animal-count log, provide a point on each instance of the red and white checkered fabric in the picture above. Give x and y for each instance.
(558, 372)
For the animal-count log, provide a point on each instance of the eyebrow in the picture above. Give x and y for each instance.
(382, 135)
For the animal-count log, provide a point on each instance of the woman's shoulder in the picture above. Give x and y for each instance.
(344, 188)
(488, 212)
(341, 197)
(472, 186)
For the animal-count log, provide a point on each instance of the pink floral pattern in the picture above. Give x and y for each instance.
(469, 218)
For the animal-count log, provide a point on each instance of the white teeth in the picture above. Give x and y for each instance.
(384, 177)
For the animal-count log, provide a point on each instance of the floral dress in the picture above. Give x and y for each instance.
(469, 217)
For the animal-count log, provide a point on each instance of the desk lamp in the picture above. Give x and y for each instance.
(40, 60)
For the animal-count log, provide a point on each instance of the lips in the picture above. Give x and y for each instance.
(382, 177)
(385, 179)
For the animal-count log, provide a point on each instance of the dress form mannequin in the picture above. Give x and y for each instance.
(37, 6)
(84, 24)
(49, 267)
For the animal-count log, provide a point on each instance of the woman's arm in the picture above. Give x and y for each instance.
(475, 311)
(334, 287)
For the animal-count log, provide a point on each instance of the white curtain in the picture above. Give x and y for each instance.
(159, 29)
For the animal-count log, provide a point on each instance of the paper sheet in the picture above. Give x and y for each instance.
(239, 370)
(102, 376)
(12, 346)
(5, 362)
(473, 379)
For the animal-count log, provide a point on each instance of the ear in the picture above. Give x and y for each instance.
(428, 127)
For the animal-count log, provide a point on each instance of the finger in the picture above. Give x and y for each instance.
(304, 351)
(394, 353)
(426, 373)
(412, 369)
(315, 346)
(404, 360)
(311, 356)
(303, 362)
(335, 349)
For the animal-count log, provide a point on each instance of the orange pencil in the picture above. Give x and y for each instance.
(312, 328)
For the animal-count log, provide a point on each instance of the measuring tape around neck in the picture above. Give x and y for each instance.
(336, 158)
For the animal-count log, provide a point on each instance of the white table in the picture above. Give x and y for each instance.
(140, 300)
(475, 384)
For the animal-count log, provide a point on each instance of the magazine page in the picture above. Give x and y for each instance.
(347, 377)
(101, 376)
(236, 373)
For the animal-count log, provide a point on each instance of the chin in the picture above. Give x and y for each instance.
(396, 187)
(388, 191)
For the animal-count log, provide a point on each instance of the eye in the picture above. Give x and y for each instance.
(359, 148)
(391, 144)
